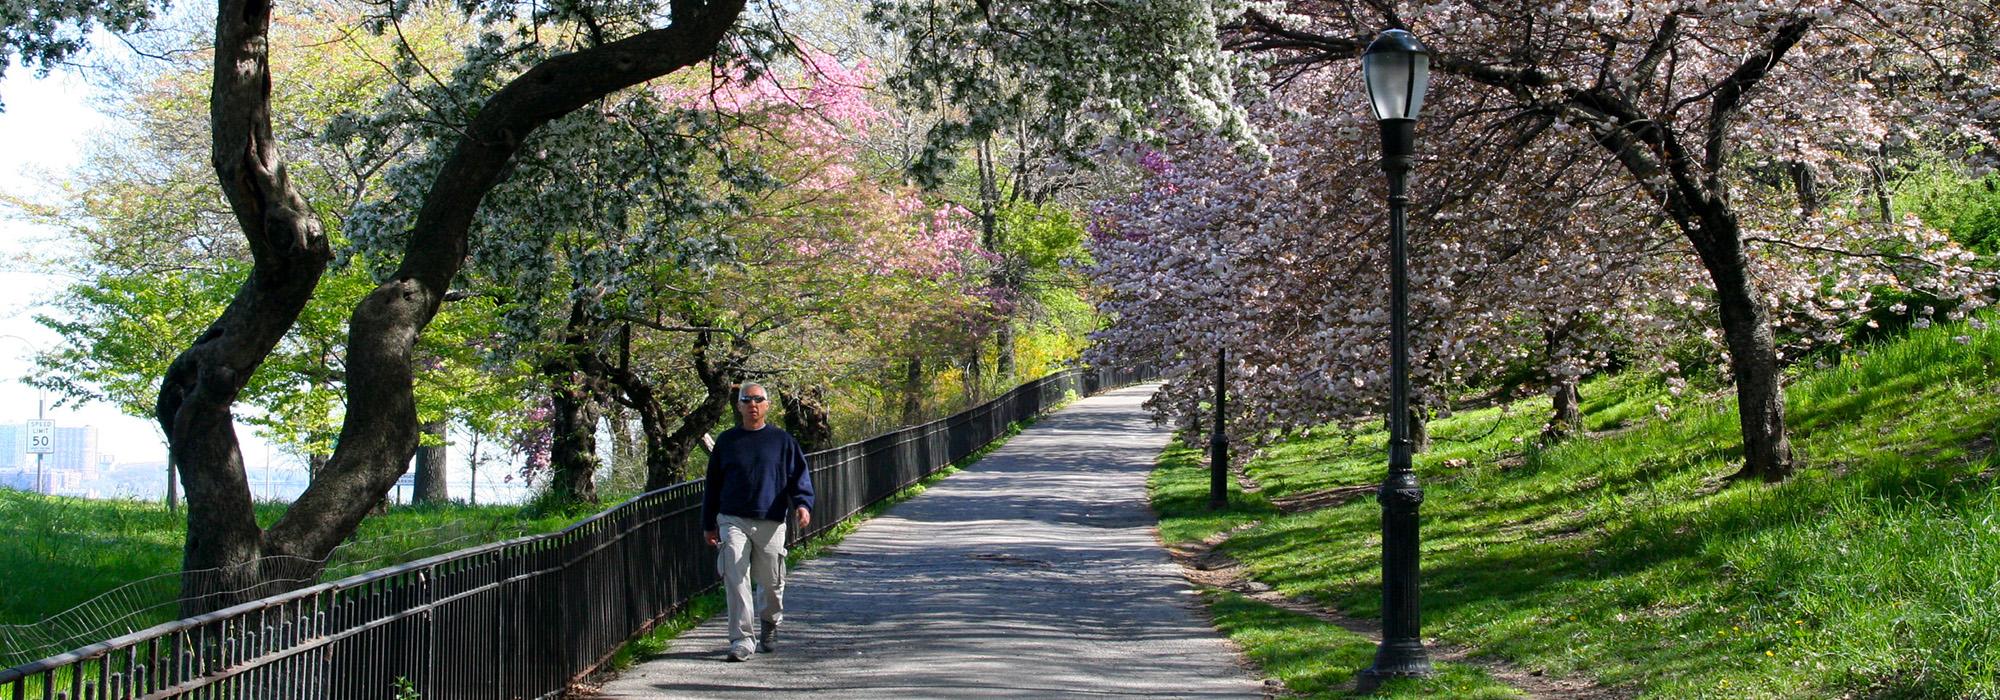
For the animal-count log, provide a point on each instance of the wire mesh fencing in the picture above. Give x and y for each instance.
(523, 618)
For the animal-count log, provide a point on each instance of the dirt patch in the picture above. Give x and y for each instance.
(1204, 566)
(1323, 499)
(1243, 480)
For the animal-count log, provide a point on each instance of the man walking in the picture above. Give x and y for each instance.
(757, 474)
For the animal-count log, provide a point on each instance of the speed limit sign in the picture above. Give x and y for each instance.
(41, 437)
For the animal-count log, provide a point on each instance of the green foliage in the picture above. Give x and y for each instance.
(1945, 197)
(160, 256)
(120, 332)
(44, 33)
(1045, 238)
(1625, 556)
(1075, 72)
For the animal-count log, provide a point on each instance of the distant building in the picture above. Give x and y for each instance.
(13, 446)
(76, 450)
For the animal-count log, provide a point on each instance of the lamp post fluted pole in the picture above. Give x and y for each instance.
(1396, 67)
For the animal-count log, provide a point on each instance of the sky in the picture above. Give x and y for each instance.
(42, 134)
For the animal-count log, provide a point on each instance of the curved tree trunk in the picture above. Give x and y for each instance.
(1682, 169)
(667, 452)
(718, 379)
(222, 564)
(1688, 182)
(672, 465)
(806, 417)
(289, 253)
(432, 467)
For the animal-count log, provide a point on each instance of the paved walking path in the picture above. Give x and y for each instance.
(1035, 573)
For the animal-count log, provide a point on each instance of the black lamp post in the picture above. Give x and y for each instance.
(1396, 68)
(1218, 440)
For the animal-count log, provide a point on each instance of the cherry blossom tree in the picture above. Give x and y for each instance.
(1690, 108)
(662, 245)
(1279, 263)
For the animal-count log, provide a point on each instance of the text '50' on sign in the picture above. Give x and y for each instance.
(41, 437)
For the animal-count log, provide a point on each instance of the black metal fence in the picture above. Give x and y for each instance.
(517, 619)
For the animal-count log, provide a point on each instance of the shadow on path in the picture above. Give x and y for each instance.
(1035, 573)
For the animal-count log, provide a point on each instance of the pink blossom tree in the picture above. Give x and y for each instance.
(1689, 109)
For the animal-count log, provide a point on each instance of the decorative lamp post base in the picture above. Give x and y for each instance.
(1394, 660)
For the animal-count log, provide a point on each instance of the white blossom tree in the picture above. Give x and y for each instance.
(1687, 106)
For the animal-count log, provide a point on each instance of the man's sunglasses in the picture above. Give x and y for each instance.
(751, 399)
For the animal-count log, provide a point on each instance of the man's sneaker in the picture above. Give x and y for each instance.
(740, 652)
(767, 637)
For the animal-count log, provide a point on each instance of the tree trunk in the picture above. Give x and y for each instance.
(173, 486)
(806, 418)
(1693, 193)
(1420, 430)
(221, 559)
(1879, 181)
(1806, 184)
(628, 445)
(433, 469)
(667, 452)
(573, 447)
(1567, 419)
(992, 239)
(913, 390)
(672, 467)
(289, 253)
(1003, 342)
(975, 381)
(1753, 354)
(472, 471)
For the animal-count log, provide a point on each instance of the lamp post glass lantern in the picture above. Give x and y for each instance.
(1396, 71)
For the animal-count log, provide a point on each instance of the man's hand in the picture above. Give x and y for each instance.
(805, 517)
(713, 537)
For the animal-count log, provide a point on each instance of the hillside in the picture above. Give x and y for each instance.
(1625, 557)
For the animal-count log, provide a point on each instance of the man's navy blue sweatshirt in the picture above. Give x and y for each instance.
(758, 474)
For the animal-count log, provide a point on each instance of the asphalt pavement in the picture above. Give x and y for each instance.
(1035, 573)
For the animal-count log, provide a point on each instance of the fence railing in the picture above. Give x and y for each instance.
(523, 618)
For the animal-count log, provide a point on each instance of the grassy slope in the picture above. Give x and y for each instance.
(57, 552)
(1875, 572)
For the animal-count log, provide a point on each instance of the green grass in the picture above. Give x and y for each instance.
(59, 553)
(1312, 657)
(1875, 572)
(1317, 658)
